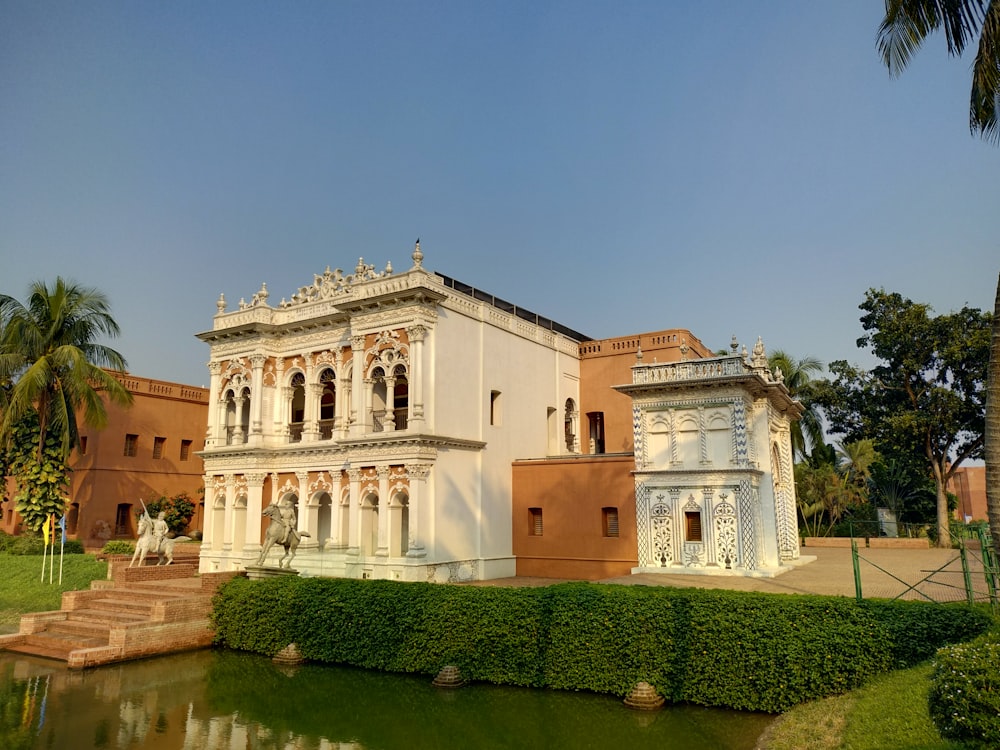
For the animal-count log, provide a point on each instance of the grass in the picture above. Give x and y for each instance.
(23, 590)
(890, 712)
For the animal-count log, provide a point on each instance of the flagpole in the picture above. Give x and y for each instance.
(52, 536)
(45, 545)
(62, 545)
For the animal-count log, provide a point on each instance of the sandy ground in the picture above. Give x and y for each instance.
(935, 574)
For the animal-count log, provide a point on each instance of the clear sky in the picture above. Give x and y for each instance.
(730, 167)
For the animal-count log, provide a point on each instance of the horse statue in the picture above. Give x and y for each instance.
(146, 542)
(276, 531)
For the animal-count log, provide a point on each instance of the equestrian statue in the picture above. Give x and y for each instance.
(153, 539)
(282, 532)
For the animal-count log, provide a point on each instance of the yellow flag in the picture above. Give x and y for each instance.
(45, 532)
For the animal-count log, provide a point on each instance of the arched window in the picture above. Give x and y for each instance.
(401, 397)
(298, 407)
(378, 399)
(327, 403)
(571, 418)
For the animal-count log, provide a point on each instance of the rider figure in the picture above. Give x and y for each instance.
(288, 517)
(160, 530)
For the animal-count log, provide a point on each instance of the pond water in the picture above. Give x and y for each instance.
(226, 700)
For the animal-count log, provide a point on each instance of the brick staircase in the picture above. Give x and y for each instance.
(138, 612)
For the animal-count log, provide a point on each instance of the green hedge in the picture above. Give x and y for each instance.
(757, 652)
(965, 691)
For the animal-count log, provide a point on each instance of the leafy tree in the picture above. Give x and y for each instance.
(927, 396)
(42, 480)
(51, 367)
(908, 22)
(177, 511)
(807, 432)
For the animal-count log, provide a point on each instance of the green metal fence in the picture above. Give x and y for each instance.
(974, 564)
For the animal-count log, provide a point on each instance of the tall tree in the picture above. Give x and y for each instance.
(807, 431)
(908, 22)
(992, 451)
(927, 393)
(52, 363)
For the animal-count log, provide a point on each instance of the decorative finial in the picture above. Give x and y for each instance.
(388, 267)
(638, 354)
(734, 344)
(220, 304)
(359, 269)
(684, 350)
(418, 257)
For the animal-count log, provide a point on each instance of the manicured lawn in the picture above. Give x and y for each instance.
(22, 588)
(888, 712)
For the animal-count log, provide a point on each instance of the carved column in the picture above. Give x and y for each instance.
(419, 513)
(280, 398)
(343, 408)
(257, 400)
(227, 536)
(239, 436)
(304, 511)
(390, 404)
(708, 526)
(354, 519)
(357, 386)
(255, 497)
(310, 430)
(382, 549)
(208, 521)
(367, 420)
(212, 430)
(416, 335)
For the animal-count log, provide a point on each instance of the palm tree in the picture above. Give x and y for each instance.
(52, 363)
(807, 433)
(908, 22)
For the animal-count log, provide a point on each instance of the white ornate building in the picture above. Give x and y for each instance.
(374, 402)
(714, 487)
(424, 429)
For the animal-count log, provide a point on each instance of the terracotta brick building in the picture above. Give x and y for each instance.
(145, 451)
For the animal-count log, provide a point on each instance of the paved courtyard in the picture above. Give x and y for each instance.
(885, 573)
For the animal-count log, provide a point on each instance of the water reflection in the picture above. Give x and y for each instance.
(224, 700)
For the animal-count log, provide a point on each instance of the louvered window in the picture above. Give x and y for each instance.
(610, 518)
(536, 522)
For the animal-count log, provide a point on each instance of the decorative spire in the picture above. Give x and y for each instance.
(734, 344)
(418, 257)
(638, 354)
(359, 270)
(388, 267)
(684, 350)
(220, 304)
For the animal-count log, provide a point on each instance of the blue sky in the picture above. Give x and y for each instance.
(621, 167)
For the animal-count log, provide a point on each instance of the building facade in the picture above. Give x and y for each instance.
(426, 430)
(387, 408)
(148, 450)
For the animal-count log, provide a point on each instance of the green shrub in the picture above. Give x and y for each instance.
(757, 652)
(965, 691)
(118, 547)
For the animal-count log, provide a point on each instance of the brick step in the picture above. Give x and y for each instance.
(109, 616)
(121, 602)
(174, 587)
(49, 640)
(88, 628)
(46, 652)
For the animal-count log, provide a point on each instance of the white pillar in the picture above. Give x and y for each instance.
(257, 400)
(357, 385)
(415, 377)
(419, 512)
(382, 550)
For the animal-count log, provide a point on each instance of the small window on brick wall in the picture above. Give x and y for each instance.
(82, 448)
(185, 450)
(609, 516)
(535, 529)
(692, 525)
(158, 446)
(131, 445)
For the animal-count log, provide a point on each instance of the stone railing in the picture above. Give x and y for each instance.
(702, 369)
